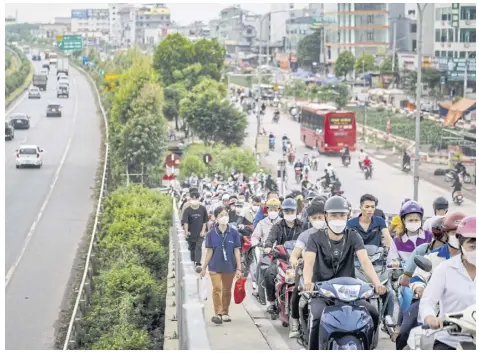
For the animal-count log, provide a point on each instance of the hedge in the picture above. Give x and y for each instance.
(20, 77)
(128, 301)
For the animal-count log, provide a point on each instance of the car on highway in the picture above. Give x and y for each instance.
(54, 110)
(64, 81)
(20, 121)
(46, 66)
(63, 90)
(44, 72)
(34, 92)
(36, 57)
(62, 75)
(9, 131)
(29, 155)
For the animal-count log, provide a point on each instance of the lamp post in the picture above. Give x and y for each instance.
(420, 9)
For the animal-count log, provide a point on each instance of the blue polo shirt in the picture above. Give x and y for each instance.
(373, 235)
(223, 245)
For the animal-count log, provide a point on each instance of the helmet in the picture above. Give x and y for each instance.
(411, 207)
(319, 199)
(405, 200)
(452, 220)
(440, 204)
(289, 204)
(225, 197)
(336, 204)
(273, 203)
(208, 194)
(436, 228)
(311, 195)
(467, 227)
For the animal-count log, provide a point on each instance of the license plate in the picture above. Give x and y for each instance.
(54, 110)
(340, 144)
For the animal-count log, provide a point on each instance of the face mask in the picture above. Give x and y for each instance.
(318, 224)
(337, 226)
(413, 226)
(255, 208)
(289, 217)
(453, 242)
(470, 256)
(223, 220)
(273, 214)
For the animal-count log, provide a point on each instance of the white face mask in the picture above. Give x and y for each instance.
(413, 226)
(273, 214)
(470, 256)
(337, 226)
(289, 217)
(223, 220)
(319, 224)
(453, 242)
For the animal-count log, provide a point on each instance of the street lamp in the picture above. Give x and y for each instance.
(420, 9)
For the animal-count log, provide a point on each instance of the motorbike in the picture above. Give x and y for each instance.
(246, 248)
(264, 262)
(276, 118)
(406, 168)
(284, 283)
(271, 145)
(315, 164)
(458, 198)
(291, 157)
(346, 325)
(377, 256)
(451, 174)
(297, 172)
(368, 172)
(461, 324)
(346, 161)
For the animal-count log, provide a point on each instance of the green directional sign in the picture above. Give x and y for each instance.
(69, 42)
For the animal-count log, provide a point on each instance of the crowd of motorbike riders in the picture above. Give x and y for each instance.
(332, 278)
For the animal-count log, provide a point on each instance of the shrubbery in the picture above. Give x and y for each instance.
(128, 301)
(17, 77)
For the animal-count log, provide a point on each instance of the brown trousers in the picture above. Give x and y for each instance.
(222, 284)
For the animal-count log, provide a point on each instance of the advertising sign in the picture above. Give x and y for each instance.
(455, 68)
(341, 121)
(80, 14)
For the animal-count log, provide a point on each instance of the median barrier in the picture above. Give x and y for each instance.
(85, 288)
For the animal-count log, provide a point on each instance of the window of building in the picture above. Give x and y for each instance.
(443, 14)
(462, 54)
(472, 55)
(468, 13)
(450, 54)
(437, 53)
(370, 35)
(443, 54)
(443, 35)
(450, 34)
(413, 28)
(414, 45)
(467, 35)
(370, 19)
(438, 35)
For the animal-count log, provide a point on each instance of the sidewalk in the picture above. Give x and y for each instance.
(241, 333)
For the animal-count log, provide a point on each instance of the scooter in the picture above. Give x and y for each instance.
(297, 173)
(456, 324)
(406, 168)
(246, 249)
(264, 263)
(284, 284)
(291, 157)
(276, 118)
(346, 325)
(346, 161)
(458, 198)
(368, 172)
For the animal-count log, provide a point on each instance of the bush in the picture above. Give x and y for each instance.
(17, 77)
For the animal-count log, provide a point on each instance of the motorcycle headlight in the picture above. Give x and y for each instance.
(347, 292)
(290, 276)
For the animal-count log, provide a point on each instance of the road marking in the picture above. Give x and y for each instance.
(12, 269)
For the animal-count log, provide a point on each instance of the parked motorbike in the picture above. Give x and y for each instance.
(284, 283)
(346, 325)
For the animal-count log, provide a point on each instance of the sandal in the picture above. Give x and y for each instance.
(217, 319)
(226, 318)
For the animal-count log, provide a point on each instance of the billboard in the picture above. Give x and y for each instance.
(80, 14)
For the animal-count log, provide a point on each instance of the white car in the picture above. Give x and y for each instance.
(34, 92)
(44, 72)
(63, 81)
(29, 155)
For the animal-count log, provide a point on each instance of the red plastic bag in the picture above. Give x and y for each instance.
(240, 290)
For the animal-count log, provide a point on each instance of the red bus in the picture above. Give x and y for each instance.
(329, 129)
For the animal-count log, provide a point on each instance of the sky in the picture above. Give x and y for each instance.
(182, 13)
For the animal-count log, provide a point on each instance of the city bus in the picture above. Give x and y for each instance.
(327, 128)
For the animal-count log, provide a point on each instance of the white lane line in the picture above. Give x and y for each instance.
(12, 269)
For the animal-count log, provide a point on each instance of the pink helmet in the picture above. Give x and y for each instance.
(467, 227)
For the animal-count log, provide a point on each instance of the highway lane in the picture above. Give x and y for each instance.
(390, 185)
(47, 211)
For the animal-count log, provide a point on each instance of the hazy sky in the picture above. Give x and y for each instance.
(182, 13)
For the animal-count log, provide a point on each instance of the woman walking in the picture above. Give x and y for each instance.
(223, 261)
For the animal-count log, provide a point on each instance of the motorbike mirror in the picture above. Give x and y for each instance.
(423, 263)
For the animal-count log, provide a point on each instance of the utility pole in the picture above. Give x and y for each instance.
(420, 9)
(394, 45)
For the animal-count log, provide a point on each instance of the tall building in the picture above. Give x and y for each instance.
(296, 29)
(360, 28)
(408, 42)
(90, 21)
(278, 20)
(455, 30)
(155, 16)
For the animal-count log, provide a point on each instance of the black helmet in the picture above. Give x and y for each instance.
(337, 204)
(440, 204)
(436, 228)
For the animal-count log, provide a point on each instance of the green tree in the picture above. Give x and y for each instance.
(386, 66)
(173, 95)
(309, 49)
(211, 116)
(365, 63)
(211, 55)
(173, 53)
(344, 64)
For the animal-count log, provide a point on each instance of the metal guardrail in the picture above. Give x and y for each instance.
(86, 284)
(190, 313)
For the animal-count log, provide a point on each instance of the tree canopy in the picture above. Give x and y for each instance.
(344, 64)
(309, 49)
(365, 63)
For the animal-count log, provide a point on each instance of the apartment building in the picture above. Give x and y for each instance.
(149, 17)
(296, 29)
(410, 25)
(90, 20)
(360, 28)
(455, 30)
